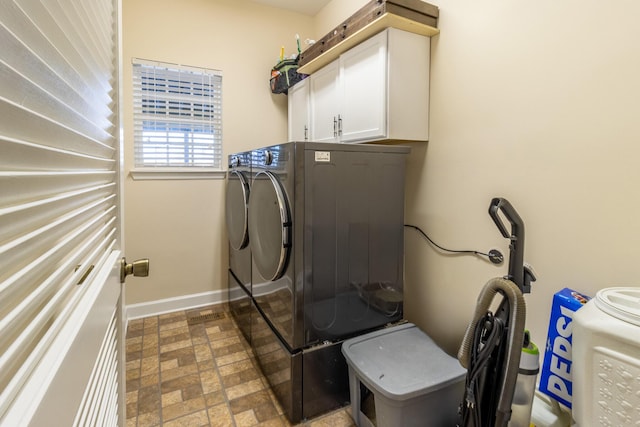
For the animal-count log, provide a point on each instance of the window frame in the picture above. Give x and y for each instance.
(150, 172)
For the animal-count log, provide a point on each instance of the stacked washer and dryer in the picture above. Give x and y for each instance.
(315, 257)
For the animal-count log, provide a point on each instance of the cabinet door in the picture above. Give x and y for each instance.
(323, 102)
(299, 111)
(364, 90)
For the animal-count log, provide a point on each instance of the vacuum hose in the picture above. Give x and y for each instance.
(512, 311)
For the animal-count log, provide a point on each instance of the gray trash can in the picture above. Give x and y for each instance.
(398, 377)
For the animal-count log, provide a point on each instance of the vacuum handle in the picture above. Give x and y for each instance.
(509, 212)
(516, 240)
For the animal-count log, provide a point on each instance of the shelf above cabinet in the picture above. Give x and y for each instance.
(414, 16)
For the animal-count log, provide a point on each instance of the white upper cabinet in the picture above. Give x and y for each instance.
(324, 95)
(378, 90)
(298, 98)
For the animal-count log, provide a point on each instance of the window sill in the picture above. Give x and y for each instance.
(176, 173)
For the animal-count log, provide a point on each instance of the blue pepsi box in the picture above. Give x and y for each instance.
(555, 377)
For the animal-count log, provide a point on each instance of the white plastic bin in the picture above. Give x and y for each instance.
(606, 359)
(398, 377)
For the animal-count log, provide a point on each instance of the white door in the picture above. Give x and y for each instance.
(324, 104)
(61, 329)
(299, 111)
(364, 90)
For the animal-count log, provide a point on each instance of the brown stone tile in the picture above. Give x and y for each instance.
(132, 410)
(150, 366)
(150, 419)
(149, 351)
(179, 383)
(176, 345)
(206, 365)
(133, 355)
(132, 364)
(172, 317)
(266, 412)
(132, 385)
(210, 381)
(133, 344)
(197, 419)
(339, 418)
(274, 422)
(135, 325)
(167, 334)
(220, 416)
(198, 330)
(202, 352)
(244, 389)
(183, 408)
(246, 418)
(184, 355)
(171, 398)
(215, 398)
(149, 399)
(133, 374)
(179, 372)
(149, 341)
(132, 396)
(253, 401)
(241, 377)
(134, 333)
(150, 322)
(149, 380)
(182, 323)
(232, 357)
(233, 348)
(225, 342)
(192, 391)
(169, 364)
(236, 367)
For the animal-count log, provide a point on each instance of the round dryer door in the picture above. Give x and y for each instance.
(269, 226)
(237, 210)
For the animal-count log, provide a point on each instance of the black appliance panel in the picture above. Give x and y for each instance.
(354, 213)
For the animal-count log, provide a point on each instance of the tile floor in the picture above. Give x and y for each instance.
(193, 368)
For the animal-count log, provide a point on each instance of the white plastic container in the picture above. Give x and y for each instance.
(606, 359)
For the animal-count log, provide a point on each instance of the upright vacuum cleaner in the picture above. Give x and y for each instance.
(493, 341)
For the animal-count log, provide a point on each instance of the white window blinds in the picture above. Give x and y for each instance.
(177, 116)
(58, 166)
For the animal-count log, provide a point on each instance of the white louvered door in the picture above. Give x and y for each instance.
(61, 333)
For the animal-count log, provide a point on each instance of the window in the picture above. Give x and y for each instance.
(177, 117)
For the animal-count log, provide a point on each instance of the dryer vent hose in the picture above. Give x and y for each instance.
(515, 337)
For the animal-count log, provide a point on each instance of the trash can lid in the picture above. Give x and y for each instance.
(622, 303)
(401, 362)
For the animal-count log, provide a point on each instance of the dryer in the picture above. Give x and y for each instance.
(326, 234)
(237, 216)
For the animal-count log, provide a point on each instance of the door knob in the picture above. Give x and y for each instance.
(139, 268)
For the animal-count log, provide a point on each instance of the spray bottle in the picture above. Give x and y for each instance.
(525, 384)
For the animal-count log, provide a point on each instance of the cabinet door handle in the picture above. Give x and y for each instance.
(306, 133)
(339, 125)
(335, 127)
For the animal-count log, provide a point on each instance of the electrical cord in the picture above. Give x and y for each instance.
(486, 338)
(494, 255)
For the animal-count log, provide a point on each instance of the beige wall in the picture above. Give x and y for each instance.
(179, 225)
(537, 103)
(534, 102)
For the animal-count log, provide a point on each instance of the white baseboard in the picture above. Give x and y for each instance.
(184, 302)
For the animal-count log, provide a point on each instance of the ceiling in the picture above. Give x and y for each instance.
(307, 7)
